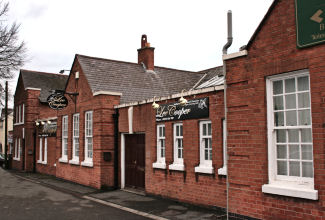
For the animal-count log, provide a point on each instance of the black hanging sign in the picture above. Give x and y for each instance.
(48, 130)
(196, 108)
(57, 101)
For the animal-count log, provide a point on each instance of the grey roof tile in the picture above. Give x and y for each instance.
(44, 81)
(135, 83)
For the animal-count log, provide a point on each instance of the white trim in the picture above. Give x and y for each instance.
(31, 88)
(107, 93)
(159, 165)
(130, 119)
(223, 170)
(45, 151)
(74, 162)
(205, 165)
(89, 127)
(234, 55)
(173, 96)
(204, 169)
(301, 187)
(177, 160)
(40, 156)
(63, 160)
(65, 120)
(290, 191)
(74, 157)
(87, 163)
(175, 166)
(122, 161)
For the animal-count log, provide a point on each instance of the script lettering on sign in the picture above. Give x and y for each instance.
(196, 108)
(57, 101)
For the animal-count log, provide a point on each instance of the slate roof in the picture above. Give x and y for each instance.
(44, 81)
(133, 81)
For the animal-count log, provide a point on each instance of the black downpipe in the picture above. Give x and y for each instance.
(115, 116)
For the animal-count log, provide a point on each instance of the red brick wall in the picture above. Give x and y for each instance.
(201, 189)
(102, 172)
(272, 52)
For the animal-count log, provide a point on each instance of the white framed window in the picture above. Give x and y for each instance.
(205, 165)
(178, 163)
(20, 111)
(290, 145)
(40, 150)
(161, 148)
(64, 156)
(75, 140)
(45, 151)
(16, 149)
(19, 149)
(88, 139)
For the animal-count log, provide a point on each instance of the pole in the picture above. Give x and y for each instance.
(6, 125)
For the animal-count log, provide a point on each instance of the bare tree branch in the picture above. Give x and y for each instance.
(12, 51)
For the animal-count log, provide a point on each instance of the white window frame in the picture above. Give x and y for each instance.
(65, 134)
(223, 170)
(178, 163)
(40, 158)
(161, 140)
(75, 138)
(88, 161)
(301, 187)
(20, 111)
(205, 165)
(16, 149)
(19, 149)
(45, 151)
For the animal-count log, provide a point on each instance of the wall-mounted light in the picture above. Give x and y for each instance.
(36, 123)
(48, 122)
(182, 100)
(154, 104)
(42, 122)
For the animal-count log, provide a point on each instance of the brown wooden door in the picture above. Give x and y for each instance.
(135, 160)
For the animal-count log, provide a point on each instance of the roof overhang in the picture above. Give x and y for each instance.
(178, 95)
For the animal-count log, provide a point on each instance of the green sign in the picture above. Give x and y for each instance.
(310, 22)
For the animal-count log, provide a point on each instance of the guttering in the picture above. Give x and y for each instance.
(174, 96)
(224, 52)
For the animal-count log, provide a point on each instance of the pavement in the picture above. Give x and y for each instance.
(140, 204)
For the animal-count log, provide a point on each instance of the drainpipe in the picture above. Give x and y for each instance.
(115, 116)
(224, 52)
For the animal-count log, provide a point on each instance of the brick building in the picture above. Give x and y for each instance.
(275, 99)
(87, 147)
(33, 149)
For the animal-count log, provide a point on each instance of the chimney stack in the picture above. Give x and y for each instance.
(146, 54)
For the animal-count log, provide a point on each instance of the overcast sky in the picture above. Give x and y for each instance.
(187, 34)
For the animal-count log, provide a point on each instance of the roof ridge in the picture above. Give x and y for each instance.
(40, 72)
(120, 61)
(205, 70)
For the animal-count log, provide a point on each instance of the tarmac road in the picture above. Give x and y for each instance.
(22, 199)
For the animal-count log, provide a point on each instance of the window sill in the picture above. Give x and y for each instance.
(159, 165)
(20, 123)
(15, 158)
(204, 169)
(175, 166)
(63, 160)
(39, 161)
(87, 163)
(304, 193)
(74, 162)
(222, 171)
